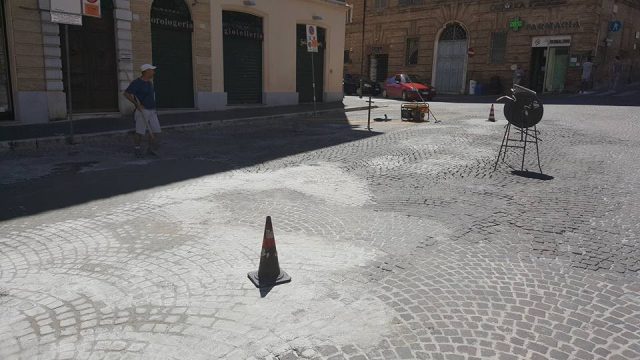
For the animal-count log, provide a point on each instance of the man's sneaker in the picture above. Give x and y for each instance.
(152, 152)
(137, 151)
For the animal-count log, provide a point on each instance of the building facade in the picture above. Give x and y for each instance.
(448, 43)
(211, 55)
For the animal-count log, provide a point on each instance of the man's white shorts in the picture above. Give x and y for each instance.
(151, 116)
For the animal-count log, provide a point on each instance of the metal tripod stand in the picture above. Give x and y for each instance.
(522, 142)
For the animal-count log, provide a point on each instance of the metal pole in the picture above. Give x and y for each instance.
(68, 69)
(313, 79)
(369, 113)
(364, 16)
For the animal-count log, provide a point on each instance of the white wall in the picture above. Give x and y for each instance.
(280, 18)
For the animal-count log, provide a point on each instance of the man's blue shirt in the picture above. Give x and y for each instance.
(143, 90)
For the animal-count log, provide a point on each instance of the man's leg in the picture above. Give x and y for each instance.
(140, 131)
(154, 127)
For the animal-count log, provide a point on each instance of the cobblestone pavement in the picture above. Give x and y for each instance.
(402, 243)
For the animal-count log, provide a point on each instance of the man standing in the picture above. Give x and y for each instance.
(616, 72)
(587, 70)
(141, 93)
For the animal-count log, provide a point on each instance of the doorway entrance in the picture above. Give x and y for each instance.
(451, 59)
(171, 29)
(242, 53)
(549, 63)
(304, 78)
(92, 59)
(6, 105)
(378, 67)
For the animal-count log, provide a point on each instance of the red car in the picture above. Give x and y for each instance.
(402, 86)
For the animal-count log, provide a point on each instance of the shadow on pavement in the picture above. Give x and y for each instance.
(201, 153)
(532, 175)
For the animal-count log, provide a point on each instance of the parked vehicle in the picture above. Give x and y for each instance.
(351, 86)
(405, 87)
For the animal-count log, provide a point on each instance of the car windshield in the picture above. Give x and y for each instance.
(413, 79)
(408, 79)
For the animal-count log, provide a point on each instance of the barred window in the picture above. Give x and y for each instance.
(411, 56)
(381, 4)
(498, 47)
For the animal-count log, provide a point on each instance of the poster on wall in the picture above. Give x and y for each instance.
(312, 38)
(91, 8)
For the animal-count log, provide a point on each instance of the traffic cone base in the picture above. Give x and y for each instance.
(269, 273)
(283, 278)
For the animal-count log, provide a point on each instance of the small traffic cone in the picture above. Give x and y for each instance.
(269, 273)
(492, 115)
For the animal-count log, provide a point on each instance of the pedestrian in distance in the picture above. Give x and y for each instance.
(518, 74)
(142, 94)
(616, 72)
(587, 73)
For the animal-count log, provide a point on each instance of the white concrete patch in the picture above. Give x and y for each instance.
(324, 181)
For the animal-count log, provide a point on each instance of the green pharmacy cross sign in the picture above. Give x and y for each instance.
(516, 24)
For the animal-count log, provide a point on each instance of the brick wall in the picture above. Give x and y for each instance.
(391, 27)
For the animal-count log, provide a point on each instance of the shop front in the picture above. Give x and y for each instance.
(171, 31)
(243, 55)
(549, 63)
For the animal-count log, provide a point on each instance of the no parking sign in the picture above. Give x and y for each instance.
(91, 8)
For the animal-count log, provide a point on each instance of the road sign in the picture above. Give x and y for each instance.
(91, 8)
(615, 26)
(66, 12)
(312, 38)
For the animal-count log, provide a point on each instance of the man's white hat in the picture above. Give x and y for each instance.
(146, 67)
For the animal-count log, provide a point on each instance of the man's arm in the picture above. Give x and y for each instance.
(133, 100)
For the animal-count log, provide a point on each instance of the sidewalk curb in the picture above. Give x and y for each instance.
(9, 145)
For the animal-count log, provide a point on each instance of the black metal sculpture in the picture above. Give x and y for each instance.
(523, 110)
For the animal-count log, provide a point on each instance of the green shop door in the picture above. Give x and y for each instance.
(304, 75)
(242, 48)
(171, 29)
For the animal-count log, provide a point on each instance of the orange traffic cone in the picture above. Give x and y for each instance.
(492, 115)
(269, 273)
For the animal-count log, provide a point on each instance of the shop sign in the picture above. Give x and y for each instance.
(553, 25)
(515, 5)
(91, 8)
(516, 24)
(241, 30)
(550, 41)
(171, 19)
(66, 12)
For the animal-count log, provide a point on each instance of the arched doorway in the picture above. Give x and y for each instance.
(171, 29)
(242, 53)
(92, 59)
(451, 59)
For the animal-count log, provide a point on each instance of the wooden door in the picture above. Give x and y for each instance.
(92, 56)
